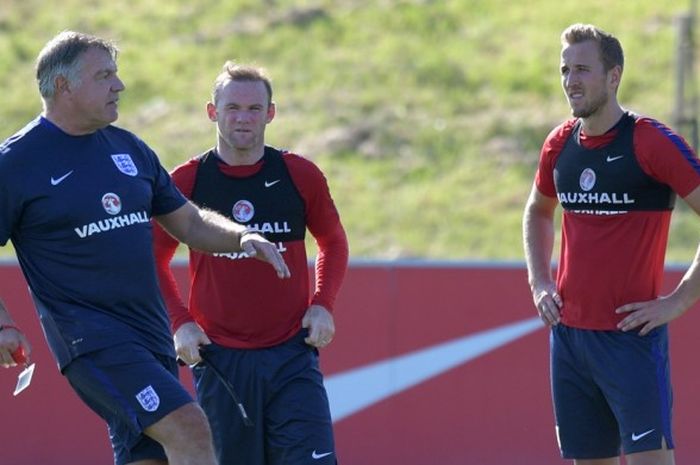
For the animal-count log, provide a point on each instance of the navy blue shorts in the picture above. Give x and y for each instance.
(131, 388)
(611, 389)
(282, 390)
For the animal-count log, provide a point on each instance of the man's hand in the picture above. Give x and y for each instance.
(13, 341)
(320, 324)
(188, 338)
(649, 314)
(255, 245)
(548, 303)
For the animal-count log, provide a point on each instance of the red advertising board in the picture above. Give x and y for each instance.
(432, 363)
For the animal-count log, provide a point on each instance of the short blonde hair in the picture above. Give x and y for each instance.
(241, 73)
(609, 46)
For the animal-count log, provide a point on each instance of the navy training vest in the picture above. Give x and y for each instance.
(607, 179)
(267, 201)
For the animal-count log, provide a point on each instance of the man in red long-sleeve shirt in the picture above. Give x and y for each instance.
(262, 331)
(616, 175)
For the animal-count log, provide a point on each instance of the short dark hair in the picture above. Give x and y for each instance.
(609, 46)
(61, 57)
(232, 71)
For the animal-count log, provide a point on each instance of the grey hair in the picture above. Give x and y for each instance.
(234, 72)
(61, 56)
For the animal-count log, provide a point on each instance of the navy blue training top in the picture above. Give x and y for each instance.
(77, 210)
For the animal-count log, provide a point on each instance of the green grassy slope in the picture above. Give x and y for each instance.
(427, 116)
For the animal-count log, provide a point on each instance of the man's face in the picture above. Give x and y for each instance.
(241, 114)
(586, 84)
(93, 100)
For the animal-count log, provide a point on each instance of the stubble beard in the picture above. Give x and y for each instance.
(592, 108)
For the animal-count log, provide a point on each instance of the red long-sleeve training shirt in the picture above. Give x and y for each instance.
(241, 303)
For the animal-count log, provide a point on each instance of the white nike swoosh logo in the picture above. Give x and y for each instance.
(316, 456)
(637, 437)
(609, 159)
(359, 388)
(271, 183)
(57, 181)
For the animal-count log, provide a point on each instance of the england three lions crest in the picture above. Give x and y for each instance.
(148, 398)
(125, 163)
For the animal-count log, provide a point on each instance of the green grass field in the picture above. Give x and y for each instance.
(427, 116)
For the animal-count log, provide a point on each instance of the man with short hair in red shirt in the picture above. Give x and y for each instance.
(262, 331)
(616, 175)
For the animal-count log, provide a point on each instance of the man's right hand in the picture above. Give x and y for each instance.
(13, 341)
(188, 338)
(255, 245)
(548, 302)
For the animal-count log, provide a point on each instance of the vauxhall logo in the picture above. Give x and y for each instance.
(587, 179)
(595, 198)
(243, 211)
(587, 182)
(112, 204)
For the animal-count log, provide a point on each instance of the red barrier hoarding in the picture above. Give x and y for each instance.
(432, 363)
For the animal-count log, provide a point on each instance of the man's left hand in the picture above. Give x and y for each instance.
(649, 314)
(320, 324)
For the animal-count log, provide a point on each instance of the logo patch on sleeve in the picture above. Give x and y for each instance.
(148, 398)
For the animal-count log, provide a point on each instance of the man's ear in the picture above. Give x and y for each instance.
(615, 76)
(61, 85)
(271, 111)
(211, 111)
